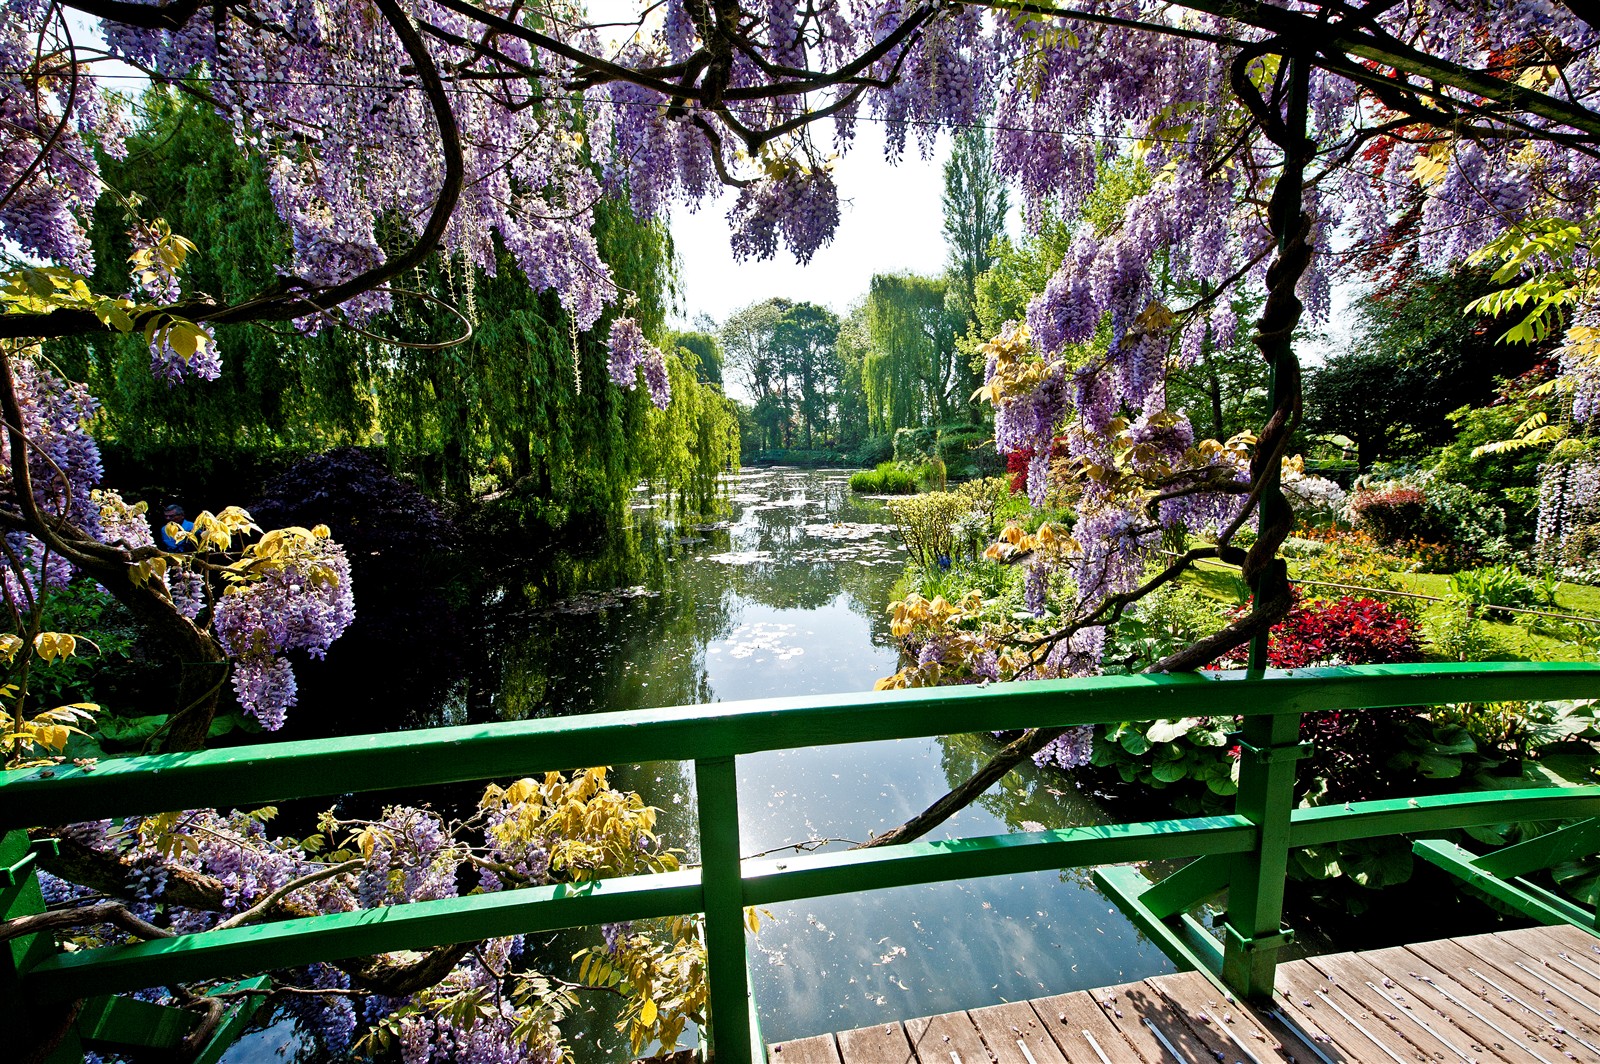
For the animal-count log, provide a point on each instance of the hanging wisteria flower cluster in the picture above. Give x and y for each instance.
(1569, 502)
(631, 354)
(289, 591)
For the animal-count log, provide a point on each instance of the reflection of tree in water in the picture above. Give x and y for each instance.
(1029, 799)
(622, 652)
(649, 651)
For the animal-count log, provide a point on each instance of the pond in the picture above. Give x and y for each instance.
(788, 597)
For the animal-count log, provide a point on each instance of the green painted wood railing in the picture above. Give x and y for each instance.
(1244, 852)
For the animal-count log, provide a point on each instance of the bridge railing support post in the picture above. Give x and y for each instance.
(1269, 747)
(721, 880)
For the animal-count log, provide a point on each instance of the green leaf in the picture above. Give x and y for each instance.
(1453, 741)
(1318, 862)
(1134, 743)
(1438, 766)
(38, 282)
(1165, 731)
(1376, 862)
(1170, 771)
(1572, 769)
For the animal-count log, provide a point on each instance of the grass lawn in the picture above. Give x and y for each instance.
(1516, 642)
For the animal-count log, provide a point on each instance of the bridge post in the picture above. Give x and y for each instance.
(721, 881)
(45, 1032)
(1269, 747)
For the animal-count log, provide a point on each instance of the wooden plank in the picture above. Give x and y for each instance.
(1141, 1002)
(1003, 1026)
(1202, 1003)
(883, 1043)
(1445, 964)
(1393, 1006)
(1346, 1022)
(1525, 958)
(1562, 938)
(1073, 1019)
(1565, 1024)
(1414, 983)
(947, 1039)
(820, 1049)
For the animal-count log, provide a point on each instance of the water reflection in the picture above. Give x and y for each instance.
(785, 597)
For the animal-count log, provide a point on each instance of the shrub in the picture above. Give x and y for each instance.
(1466, 519)
(1501, 585)
(1392, 515)
(987, 495)
(873, 451)
(926, 525)
(1344, 631)
(914, 445)
(968, 450)
(890, 478)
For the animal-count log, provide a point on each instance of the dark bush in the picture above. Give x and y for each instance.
(872, 451)
(914, 445)
(968, 450)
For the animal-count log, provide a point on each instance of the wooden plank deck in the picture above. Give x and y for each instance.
(1515, 997)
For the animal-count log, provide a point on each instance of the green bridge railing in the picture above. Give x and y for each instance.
(1245, 853)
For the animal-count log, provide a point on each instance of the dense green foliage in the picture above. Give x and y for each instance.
(1418, 357)
(280, 391)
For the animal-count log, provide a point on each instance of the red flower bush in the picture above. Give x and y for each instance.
(1017, 463)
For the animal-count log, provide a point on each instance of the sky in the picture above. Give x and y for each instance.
(890, 220)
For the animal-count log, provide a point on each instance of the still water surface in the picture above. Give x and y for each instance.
(788, 597)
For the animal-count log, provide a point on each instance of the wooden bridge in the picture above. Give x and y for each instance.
(1516, 997)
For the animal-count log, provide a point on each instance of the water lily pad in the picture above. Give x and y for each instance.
(846, 530)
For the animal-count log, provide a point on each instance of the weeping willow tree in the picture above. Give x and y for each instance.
(525, 397)
(529, 398)
(684, 447)
(279, 391)
(911, 369)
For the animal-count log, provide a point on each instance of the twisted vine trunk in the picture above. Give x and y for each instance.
(1283, 122)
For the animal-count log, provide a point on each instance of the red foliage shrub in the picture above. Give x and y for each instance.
(1353, 749)
(1394, 515)
(1017, 463)
(1346, 631)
